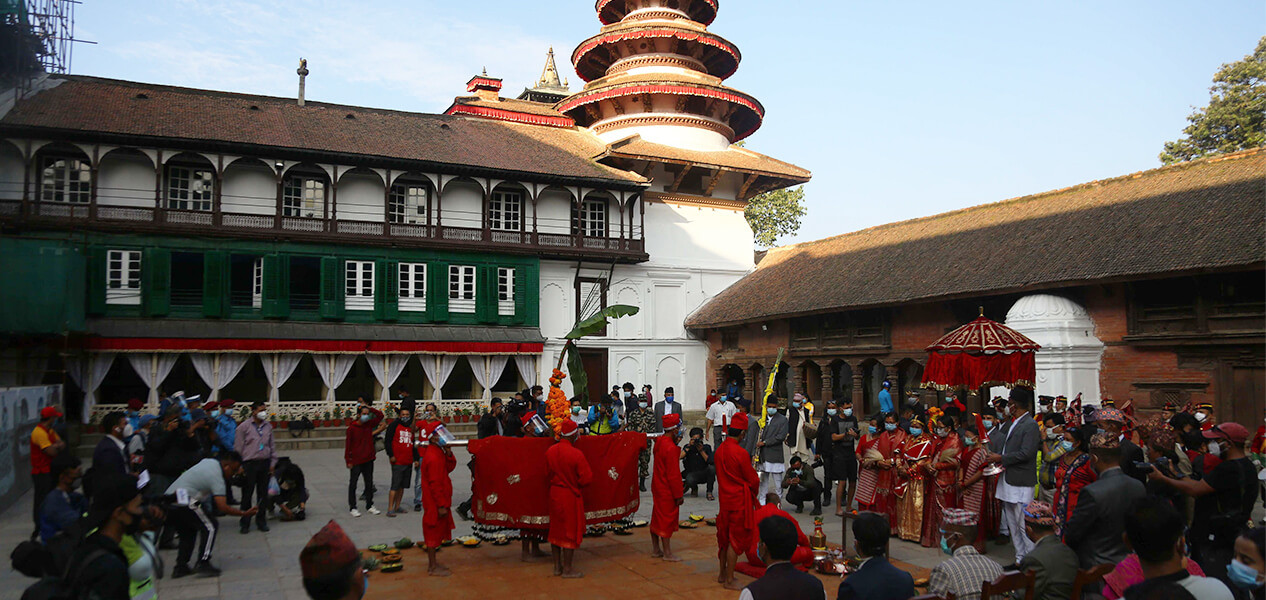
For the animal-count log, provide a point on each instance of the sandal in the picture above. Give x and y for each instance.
(711, 498)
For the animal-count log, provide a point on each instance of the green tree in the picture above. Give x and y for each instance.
(1235, 118)
(774, 214)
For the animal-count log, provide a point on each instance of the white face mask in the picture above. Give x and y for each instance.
(1201, 417)
(127, 430)
(1215, 449)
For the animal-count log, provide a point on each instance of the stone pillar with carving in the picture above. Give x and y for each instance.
(827, 392)
(859, 401)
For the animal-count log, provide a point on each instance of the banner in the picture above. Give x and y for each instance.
(510, 487)
(19, 413)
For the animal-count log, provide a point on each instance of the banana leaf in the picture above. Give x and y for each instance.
(599, 320)
(579, 379)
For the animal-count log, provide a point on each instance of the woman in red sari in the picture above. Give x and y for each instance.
(868, 458)
(971, 483)
(1072, 474)
(890, 444)
(941, 478)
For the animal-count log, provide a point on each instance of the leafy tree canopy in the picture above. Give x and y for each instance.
(1235, 118)
(774, 214)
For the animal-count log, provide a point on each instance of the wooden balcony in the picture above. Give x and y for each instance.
(144, 220)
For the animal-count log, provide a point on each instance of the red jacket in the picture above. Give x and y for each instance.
(359, 446)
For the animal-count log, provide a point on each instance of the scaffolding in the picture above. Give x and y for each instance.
(51, 24)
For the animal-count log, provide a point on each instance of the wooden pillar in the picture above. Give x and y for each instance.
(859, 400)
(92, 184)
(29, 161)
(158, 188)
(439, 208)
(828, 387)
(486, 234)
(277, 216)
(330, 213)
(536, 192)
(217, 197)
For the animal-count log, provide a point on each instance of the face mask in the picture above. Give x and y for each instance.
(760, 555)
(134, 527)
(365, 418)
(76, 482)
(916, 431)
(1215, 449)
(942, 432)
(872, 429)
(1053, 435)
(440, 441)
(1243, 575)
(628, 394)
(668, 398)
(969, 442)
(1066, 445)
(890, 426)
(127, 430)
(259, 416)
(1099, 430)
(406, 420)
(945, 547)
(796, 404)
(642, 404)
(848, 412)
(771, 411)
(1201, 417)
(831, 411)
(366, 588)
(988, 423)
(575, 410)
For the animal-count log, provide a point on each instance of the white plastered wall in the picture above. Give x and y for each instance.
(125, 179)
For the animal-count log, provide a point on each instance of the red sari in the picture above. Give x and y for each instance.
(868, 474)
(666, 487)
(437, 493)
(1070, 477)
(890, 443)
(568, 472)
(972, 498)
(942, 489)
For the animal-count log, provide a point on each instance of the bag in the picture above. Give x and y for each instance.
(273, 488)
(67, 586)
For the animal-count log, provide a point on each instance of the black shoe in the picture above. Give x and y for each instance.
(245, 529)
(204, 569)
(168, 545)
(417, 508)
(180, 571)
(800, 509)
(642, 485)
(262, 527)
(815, 512)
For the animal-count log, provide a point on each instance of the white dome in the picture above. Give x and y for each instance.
(1045, 307)
(1068, 363)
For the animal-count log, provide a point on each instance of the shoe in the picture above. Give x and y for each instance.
(391, 514)
(800, 509)
(417, 508)
(168, 545)
(642, 485)
(355, 513)
(263, 527)
(245, 529)
(180, 571)
(373, 511)
(815, 512)
(204, 569)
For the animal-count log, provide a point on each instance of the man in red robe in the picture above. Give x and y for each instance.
(802, 557)
(666, 488)
(568, 472)
(437, 494)
(737, 484)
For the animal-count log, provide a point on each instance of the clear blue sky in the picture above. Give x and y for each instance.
(900, 109)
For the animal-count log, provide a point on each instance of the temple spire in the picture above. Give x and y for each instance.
(549, 76)
(549, 88)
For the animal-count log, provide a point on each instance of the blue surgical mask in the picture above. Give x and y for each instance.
(945, 547)
(873, 430)
(1243, 575)
(831, 411)
(969, 441)
(771, 411)
(215, 413)
(916, 431)
(848, 412)
(796, 404)
(988, 423)
(366, 590)
(365, 418)
(890, 426)
(668, 398)
(575, 410)
(1066, 445)
(641, 404)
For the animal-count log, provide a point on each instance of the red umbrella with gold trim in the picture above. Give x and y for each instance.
(981, 353)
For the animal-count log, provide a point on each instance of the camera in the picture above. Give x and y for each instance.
(1144, 466)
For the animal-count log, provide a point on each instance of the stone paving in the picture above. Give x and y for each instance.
(266, 564)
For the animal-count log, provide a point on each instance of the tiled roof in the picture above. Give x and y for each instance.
(1202, 215)
(511, 104)
(733, 158)
(202, 117)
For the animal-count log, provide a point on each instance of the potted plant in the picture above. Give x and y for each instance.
(445, 415)
(337, 416)
(91, 425)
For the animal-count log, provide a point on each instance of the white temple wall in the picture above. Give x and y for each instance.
(694, 236)
(249, 187)
(554, 212)
(1071, 354)
(125, 179)
(462, 204)
(11, 166)
(361, 198)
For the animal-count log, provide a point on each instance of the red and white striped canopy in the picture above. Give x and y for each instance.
(983, 336)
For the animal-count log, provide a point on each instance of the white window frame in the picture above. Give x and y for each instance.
(593, 218)
(505, 291)
(123, 277)
(190, 188)
(461, 288)
(66, 180)
(257, 283)
(407, 203)
(358, 284)
(505, 210)
(303, 196)
(412, 278)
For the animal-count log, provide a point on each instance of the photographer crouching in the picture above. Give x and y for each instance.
(191, 522)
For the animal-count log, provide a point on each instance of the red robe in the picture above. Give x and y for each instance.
(737, 484)
(666, 487)
(437, 493)
(890, 443)
(802, 557)
(568, 472)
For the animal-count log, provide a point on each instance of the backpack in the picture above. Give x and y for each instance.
(65, 587)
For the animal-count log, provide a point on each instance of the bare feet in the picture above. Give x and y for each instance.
(439, 571)
(657, 554)
(573, 575)
(733, 585)
(538, 553)
(672, 558)
(558, 570)
(720, 578)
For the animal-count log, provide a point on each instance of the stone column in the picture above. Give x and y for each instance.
(828, 391)
(859, 401)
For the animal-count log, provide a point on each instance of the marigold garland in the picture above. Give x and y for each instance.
(557, 408)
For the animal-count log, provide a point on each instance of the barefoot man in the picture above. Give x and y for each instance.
(568, 472)
(666, 488)
(437, 494)
(737, 484)
(531, 538)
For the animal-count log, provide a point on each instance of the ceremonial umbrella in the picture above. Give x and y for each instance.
(981, 353)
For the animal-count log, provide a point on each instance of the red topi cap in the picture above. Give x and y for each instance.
(739, 421)
(671, 421)
(49, 412)
(328, 552)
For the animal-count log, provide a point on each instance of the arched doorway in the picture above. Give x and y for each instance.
(733, 372)
(757, 371)
(873, 376)
(811, 381)
(841, 381)
(782, 382)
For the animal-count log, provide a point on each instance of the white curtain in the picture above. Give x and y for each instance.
(333, 370)
(143, 363)
(527, 369)
(437, 370)
(204, 365)
(97, 369)
(387, 369)
(230, 366)
(496, 365)
(285, 365)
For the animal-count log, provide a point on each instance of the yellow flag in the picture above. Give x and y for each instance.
(769, 390)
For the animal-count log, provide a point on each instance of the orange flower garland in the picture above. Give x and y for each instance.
(557, 408)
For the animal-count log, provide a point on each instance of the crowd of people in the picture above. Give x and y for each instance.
(156, 482)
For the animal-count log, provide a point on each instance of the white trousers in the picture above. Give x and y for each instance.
(1013, 518)
(770, 482)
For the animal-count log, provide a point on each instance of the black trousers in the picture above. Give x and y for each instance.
(797, 496)
(256, 483)
(193, 524)
(364, 472)
(42, 484)
(706, 476)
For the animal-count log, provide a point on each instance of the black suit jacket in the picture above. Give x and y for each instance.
(1130, 454)
(1095, 527)
(108, 457)
(877, 580)
(782, 581)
